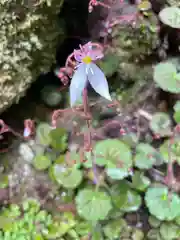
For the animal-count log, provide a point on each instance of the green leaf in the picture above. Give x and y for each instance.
(93, 206)
(59, 139)
(177, 112)
(116, 156)
(67, 177)
(42, 133)
(96, 235)
(165, 75)
(161, 124)
(83, 228)
(113, 229)
(124, 198)
(119, 194)
(154, 222)
(6, 223)
(38, 237)
(177, 220)
(73, 159)
(176, 116)
(171, 151)
(177, 106)
(170, 16)
(154, 234)
(137, 235)
(169, 231)
(139, 181)
(145, 156)
(161, 204)
(41, 162)
(4, 181)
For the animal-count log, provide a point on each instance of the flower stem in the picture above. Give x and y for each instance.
(88, 146)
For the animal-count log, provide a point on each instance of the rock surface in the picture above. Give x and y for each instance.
(29, 33)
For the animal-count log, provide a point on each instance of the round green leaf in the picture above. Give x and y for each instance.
(169, 231)
(161, 124)
(137, 234)
(124, 198)
(59, 139)
(173, 148)
(170, 16)
(41, 162)
(113, 229)
(93, 206)
(145, 156)
(154, 222)
(139, 181)
(67, 177)
(177, 106)
(165, 75)
(177, 116)
(161, 204)
(154, 234)
(116, 156)
(133, 202)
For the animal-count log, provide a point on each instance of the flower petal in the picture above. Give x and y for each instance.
(98, 81)
(78, 83)
(27, 132)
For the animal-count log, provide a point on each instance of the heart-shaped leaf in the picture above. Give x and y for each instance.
(161, 124)
(165, 75)
(171, 151)
(59, 139)
(124, 198)
(162, 204)
(41, 162)
(154, 222)
(93, 206)
(113, 229)
(67, 177)
(145, 156)
(170, 16)
(169, 231)
(116, 156)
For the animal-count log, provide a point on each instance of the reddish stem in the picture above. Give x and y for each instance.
(88, 147)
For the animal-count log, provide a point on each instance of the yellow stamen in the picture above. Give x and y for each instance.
(87, 60)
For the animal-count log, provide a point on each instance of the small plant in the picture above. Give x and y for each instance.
(28, 221)
(170, 16)
(105, 180)
(167, 77)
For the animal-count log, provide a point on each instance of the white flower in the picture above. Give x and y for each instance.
(87, 71)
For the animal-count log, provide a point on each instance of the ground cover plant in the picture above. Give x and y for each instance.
(118, 177)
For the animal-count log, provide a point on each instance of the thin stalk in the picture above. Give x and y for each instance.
(89, 133)
(170, 170)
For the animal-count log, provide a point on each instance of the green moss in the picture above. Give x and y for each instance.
(29, 34)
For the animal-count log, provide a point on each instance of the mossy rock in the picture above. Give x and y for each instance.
(29, 34)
